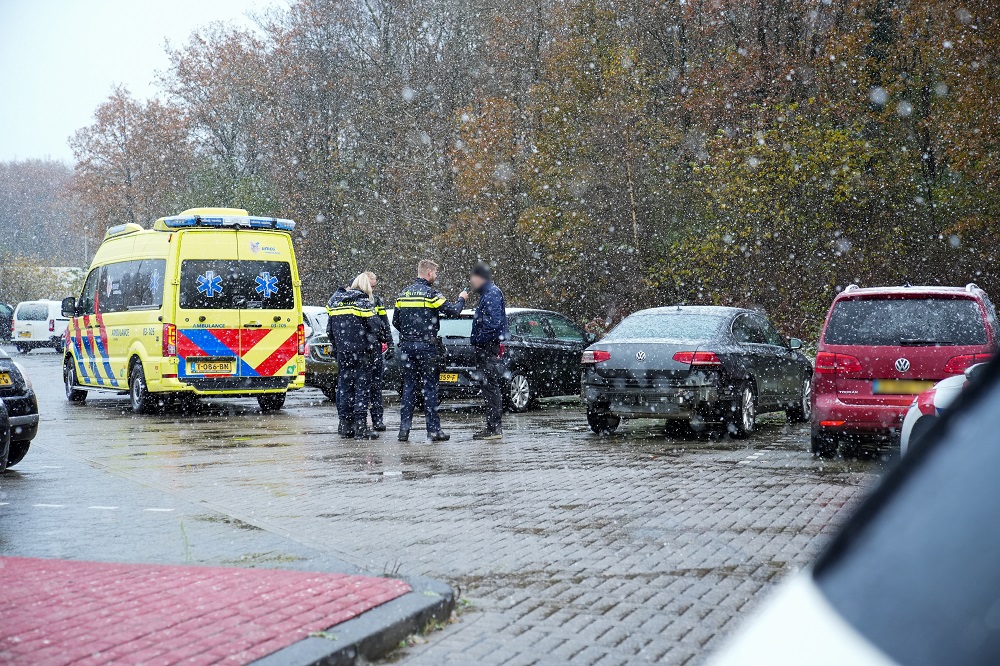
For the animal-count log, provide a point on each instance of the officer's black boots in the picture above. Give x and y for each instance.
(439, 436)
(404, 436)
(488, 434)
(345, 429)
(361, 430)
(379, 426)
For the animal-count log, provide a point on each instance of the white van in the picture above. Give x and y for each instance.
(38, 324)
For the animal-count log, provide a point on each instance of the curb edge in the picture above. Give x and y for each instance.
(374, 633)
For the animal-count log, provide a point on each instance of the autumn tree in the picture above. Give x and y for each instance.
(132, 163)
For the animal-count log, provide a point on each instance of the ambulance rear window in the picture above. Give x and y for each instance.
(216, 284)
(266, 285)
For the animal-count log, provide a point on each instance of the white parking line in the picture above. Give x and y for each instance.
(103, 508)
(155, 509)
(49, 506)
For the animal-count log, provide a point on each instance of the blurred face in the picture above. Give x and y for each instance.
(476, 281)
(431, 275)
(374, 282)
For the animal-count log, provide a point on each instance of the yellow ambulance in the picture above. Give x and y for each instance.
(206, 302)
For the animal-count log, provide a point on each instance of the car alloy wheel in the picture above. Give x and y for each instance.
(520, 393)
(801, 412)
(745, 417)
(806, 400)
(748, 411)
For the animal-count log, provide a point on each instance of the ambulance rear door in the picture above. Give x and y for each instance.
(270, 311)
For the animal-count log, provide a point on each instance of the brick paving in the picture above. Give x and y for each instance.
(571, 549)
(55, 612)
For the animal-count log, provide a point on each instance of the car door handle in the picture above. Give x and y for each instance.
(253, 324)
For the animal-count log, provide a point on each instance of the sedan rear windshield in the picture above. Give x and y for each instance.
(909, 321)
(670, 325)
(33, 312)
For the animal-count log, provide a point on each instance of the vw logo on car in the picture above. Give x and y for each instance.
(640, 356)
(902, 364)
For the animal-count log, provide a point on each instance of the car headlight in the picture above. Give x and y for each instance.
(24, 375)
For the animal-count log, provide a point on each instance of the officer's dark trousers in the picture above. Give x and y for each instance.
(490, 373)
(353, 386)
(420, 364)
(377, 384)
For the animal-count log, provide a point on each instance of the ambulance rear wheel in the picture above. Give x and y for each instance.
(138, 392)
(73, 394)
(271, 402)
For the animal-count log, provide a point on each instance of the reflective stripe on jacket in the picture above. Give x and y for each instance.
(419, 308)
(353, 327)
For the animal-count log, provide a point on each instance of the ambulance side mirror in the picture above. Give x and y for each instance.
(69, 307)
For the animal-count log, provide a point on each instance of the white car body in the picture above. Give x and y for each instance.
(927, 407)
(38, 324)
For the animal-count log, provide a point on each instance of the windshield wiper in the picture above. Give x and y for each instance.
(912, 342)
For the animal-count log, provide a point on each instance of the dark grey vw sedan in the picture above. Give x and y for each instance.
(702, 364)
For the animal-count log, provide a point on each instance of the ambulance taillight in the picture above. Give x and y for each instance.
(169, 340)
(302, 339)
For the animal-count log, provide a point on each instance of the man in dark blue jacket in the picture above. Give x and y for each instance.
(419, 308)
(489, 330)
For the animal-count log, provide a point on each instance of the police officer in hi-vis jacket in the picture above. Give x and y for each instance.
(355, 330)
(418, 310)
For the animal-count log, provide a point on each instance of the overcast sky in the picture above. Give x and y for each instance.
(60, 58)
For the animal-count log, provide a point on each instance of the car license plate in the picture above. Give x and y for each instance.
(212, 367)
(24, 334)
(900, 387)
(5, 379)
(449, 377)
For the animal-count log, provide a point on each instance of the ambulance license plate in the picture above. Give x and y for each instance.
(449, 377)
(5, 379)
(24, 334)
(213, 367)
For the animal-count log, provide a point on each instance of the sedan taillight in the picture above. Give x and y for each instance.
(697, 358)
(592, 356)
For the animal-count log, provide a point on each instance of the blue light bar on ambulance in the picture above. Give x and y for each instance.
(247, 222)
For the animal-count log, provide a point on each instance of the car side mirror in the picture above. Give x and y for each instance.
(69, 307)
(589, 338)
(794, 343)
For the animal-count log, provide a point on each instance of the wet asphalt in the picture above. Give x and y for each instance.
(566, 547)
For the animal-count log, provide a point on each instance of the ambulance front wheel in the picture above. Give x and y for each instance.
(138, 392)
(271, 402)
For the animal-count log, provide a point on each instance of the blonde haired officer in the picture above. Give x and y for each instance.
(354, 330)
(419, 308)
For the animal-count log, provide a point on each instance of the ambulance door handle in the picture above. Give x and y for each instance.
(253, 324)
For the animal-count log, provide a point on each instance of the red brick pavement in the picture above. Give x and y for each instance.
(55, 612)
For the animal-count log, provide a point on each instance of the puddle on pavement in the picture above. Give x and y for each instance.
(227, 520)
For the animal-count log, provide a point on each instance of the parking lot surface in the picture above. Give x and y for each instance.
(567, 547)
